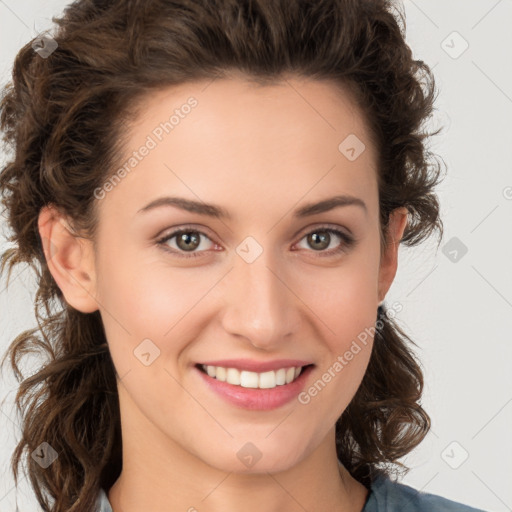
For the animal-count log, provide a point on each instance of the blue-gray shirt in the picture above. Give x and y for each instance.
(385, 496)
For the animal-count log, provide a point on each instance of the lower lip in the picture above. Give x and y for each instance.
(257, 399)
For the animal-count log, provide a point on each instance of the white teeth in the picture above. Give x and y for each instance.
(267, 380)
(246, 379)
(220, 373)
(281, 377)
(233, 376)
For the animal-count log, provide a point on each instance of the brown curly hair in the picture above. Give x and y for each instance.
(64, 117)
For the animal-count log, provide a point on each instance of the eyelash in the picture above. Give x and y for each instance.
(348, 241)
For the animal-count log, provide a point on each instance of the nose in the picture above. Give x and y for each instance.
(260, 304)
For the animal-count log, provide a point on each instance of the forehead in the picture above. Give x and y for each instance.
(291, 104)
(231, 138)
(318, 111)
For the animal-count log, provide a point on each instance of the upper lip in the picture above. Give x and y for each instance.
(257, 366)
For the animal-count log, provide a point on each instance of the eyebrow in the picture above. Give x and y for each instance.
(212, 210)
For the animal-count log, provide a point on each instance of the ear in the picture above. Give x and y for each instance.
(70, 259)
(389, 256)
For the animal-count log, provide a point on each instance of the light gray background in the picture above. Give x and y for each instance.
(459, 312)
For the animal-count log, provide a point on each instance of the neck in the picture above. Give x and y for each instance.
(152, 483)
(160, 475)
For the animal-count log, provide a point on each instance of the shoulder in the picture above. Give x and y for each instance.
(102, 503)
(387, 495)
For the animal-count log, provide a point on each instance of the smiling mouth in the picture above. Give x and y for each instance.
(247, 379)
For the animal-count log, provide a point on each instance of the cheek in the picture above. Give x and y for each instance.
(348, 321)
(345, 304)
(350, 314)
(149, 300)
(344, 297)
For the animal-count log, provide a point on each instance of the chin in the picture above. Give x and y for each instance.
(248, 459)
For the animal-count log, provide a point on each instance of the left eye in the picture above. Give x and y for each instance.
(322, 237)
(187, 240)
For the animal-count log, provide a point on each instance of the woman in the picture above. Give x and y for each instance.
(215, 193)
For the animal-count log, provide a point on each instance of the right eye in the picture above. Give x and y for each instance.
(186, 243)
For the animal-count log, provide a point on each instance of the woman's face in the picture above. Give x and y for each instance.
(261, 281)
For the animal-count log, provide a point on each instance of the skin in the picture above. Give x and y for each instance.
(260, 152)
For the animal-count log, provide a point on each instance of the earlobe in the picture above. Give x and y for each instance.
(389, 258)
(70, 260)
